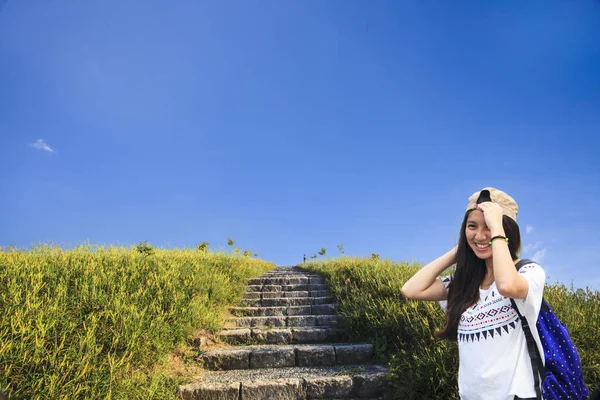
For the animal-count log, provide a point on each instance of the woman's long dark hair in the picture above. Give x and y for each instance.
(463, 290)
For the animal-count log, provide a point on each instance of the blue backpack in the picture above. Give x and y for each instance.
(563, 378)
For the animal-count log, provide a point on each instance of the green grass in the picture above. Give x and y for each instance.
(116, 323)
(368, 292)
(100, 323)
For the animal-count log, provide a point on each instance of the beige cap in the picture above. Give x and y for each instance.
(508, 204)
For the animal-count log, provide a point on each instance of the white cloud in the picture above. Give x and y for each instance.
(528, 228)
(531, 247)
(41, 145)
(540, 251)
(539, 255)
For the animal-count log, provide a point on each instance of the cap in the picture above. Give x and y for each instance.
(508, 204)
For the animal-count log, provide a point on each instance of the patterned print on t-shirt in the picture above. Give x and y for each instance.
(490, 317)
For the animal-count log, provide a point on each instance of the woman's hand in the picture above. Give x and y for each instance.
(492, 213)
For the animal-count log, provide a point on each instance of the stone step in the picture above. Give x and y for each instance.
(285, 288)
(299, 355)
(288, 321)
(277, 295)
(288, 301)
(322, 309)
(301, 334)
(288, 280)
(336, 382)
(291, 274)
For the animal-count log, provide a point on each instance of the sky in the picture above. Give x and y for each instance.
(295, 125)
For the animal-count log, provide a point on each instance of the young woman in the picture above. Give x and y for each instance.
(494, 362)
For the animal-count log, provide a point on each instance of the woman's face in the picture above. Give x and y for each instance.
(478, 235)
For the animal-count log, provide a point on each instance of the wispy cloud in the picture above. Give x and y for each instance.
(539, 252)
(539, 256)
(40, 144)
(528, 228)
(532, 247)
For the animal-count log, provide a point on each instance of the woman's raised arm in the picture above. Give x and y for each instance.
(425, 285)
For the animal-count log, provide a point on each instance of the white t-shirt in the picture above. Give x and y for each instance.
(493, 360)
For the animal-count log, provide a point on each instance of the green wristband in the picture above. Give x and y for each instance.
(498, 237)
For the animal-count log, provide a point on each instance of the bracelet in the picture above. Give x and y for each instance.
(498, 237)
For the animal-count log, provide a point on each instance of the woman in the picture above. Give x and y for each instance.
(494, 362)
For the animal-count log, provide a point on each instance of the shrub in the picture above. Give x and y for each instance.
(202, 246)
(144, 248)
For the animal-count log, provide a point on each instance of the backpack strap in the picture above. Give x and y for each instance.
(537, 366)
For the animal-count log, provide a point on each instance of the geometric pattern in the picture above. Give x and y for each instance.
(492, 313)
(488, 334)
(491, 317)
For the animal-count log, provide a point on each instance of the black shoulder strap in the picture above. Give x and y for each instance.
(537, 365)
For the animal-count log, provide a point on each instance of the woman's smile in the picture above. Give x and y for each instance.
(478, 235)
(481, 246)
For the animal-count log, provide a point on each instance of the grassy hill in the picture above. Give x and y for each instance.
(102, 322)
(118, 323)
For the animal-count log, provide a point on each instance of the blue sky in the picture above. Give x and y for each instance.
(295, 125)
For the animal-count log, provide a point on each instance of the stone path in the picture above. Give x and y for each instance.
(287, 345)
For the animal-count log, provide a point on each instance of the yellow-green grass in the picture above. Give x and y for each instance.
(368, 293)
(96, 322)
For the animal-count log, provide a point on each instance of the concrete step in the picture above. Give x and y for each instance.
(279, 356)
(287, 280)
(277, 295)
(336, 382)
(287, 321)
(311, 293)
(322, 309)
(293, 274)
(285, 288)
(301, 334)
(288, 301)
(290, 274)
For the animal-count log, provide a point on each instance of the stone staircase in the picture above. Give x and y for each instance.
(288, 343)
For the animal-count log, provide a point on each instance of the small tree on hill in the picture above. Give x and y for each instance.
(375, 256)
(247, 253)
(230, 241)
(202, 246)
(144, 248)
(341, 248)
(323, 251)
(313, 256)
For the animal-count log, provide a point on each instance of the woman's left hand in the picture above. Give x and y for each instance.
(492, 213)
